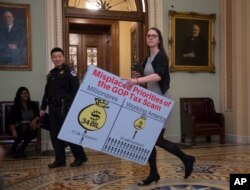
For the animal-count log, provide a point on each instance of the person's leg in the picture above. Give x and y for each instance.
(152, 163)
(79, 155)
(172, 148)
(58, 145)
(28, 136)
(153, 172)
(13, 150)
(17, 141)
(59, 150)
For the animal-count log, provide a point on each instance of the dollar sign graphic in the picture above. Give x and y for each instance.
(139, 124)
(95, 115)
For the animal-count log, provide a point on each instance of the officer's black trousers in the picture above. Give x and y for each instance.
(57, 115)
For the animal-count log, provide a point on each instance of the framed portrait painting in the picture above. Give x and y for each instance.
(15, 36)
(191, 42)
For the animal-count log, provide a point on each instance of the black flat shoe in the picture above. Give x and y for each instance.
(21, 154)
(149, 180)
(14, 155)
(189, 164)
(57, 164)
(78, 162)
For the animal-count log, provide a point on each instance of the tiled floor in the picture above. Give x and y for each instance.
(213, 165)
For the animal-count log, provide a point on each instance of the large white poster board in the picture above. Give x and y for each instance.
(109, 116)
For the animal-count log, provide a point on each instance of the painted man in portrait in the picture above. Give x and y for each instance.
(194, 52)
(12, 41)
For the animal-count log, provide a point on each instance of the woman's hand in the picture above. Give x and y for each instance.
(132, 81)
(34, 126)
(14, 133)
(34, 123)
(42, 112)
(135, 74)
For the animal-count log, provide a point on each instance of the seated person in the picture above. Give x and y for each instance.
(24, 118)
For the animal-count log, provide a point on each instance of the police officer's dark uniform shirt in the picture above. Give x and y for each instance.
(62, 85)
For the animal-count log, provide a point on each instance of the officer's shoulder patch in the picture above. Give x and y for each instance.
(71, 70)
(73, 73)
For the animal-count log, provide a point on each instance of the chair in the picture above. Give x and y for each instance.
(5, 138)
(199, 118)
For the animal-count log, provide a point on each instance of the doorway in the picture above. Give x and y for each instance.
(89, 50)
(118, 30)
(93, 42)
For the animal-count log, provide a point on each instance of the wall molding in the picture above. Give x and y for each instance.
(53, 28)
(155, 14)
(53, 16)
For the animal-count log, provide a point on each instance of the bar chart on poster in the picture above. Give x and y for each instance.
(110, 116)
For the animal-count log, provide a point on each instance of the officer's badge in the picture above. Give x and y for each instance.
(61, 72)
(73, 73)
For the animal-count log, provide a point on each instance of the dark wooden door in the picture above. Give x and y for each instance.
(93, 52)
(95, 45)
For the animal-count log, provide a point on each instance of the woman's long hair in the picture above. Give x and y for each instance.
(17, 100)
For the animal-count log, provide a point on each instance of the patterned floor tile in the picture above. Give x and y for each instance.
(103, 172)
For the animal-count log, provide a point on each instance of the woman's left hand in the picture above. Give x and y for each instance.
(34, 123)
(135, 74)
(132, 81)
(33, 126)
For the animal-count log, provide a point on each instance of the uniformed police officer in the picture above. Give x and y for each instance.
(60, 90)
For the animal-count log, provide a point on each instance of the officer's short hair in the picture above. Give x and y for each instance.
(56, 49)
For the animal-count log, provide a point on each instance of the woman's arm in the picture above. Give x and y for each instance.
(36, 119)
(145, 79)
(13, 131)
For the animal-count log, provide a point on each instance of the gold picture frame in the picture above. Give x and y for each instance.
(15, 37)
(191, 42)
